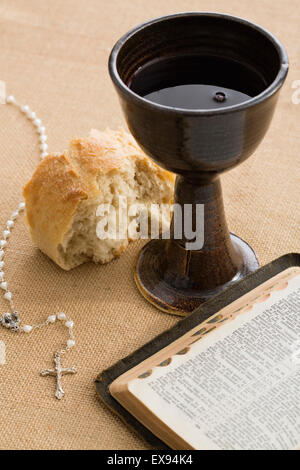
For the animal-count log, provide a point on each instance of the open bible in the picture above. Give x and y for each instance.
(230, 382)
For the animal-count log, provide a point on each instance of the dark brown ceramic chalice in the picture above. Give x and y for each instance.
(198, 91)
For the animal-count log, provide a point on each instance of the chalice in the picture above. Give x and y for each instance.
(198, 91)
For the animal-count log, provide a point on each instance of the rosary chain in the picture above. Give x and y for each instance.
(11, 320)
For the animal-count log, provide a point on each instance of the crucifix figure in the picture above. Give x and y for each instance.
(58, 372)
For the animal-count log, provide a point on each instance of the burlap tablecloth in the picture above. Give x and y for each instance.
(53, 56)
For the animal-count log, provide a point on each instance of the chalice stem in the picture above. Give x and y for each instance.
(217, 261)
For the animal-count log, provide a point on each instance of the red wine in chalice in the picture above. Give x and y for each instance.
(196, 82)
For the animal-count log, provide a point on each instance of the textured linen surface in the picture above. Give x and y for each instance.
(53, 56)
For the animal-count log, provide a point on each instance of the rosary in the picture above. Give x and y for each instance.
(11, 320)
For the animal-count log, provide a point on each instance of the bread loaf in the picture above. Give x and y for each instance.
(64, 194)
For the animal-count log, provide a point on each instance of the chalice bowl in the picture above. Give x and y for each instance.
(198, 91)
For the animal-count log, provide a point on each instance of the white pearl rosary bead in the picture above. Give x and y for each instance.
(2, 264)
(3, 285)
(1, 254)
(37, 122)
(24, 109)
(14, 215)
(8, 296)
(27, 328)
(10, 223)
(3, 243)
(6, 234)
(10, 99)
(31, 115)
(41, 129)
(69, 324)
(21, 206)
(1, 275)
(44, 147)
(51, 319)
(70, 343)
(61, 316)
(43, 138)
(44, 155)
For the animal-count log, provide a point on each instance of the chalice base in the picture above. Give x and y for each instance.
(153, 283)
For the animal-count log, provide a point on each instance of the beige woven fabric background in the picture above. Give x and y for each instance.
(53, 56)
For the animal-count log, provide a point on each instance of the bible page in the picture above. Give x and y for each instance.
(239, 387)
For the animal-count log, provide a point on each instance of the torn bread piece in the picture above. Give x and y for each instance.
(74, 193)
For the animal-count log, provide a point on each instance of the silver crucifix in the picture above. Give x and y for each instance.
(58, 372)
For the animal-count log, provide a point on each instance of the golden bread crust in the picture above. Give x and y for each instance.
(52, 196)
(61, 182)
